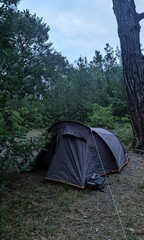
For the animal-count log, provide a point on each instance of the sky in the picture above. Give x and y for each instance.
(79, 27)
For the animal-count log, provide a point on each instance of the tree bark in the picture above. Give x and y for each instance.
(133, 64)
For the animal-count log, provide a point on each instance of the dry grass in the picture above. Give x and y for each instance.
(34, 209)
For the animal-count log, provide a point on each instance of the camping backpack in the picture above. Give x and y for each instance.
(95, 181)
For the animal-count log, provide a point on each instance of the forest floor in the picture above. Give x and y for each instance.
(33, 209)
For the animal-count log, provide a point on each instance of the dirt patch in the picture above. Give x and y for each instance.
(34, 209)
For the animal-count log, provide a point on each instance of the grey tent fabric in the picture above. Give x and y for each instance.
(114, 145)
(77, 151)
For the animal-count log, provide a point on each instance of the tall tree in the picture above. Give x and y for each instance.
(82, 90)
(133, 63)
(24, 41)
(7, 11)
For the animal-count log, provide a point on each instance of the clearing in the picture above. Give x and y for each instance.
(34, 209)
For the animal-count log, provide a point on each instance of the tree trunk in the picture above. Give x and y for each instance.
(133, 64)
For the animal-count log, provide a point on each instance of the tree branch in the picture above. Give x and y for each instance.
(140, 16)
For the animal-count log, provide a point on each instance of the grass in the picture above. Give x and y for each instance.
(30, 208)
(132, 237)
(141, 185)
(34, 209)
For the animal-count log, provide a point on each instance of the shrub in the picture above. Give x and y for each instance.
(101, 117)
(124, 132)
(32, 118)
(19, 153)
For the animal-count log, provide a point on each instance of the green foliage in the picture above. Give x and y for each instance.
(18, 154)
(101, 117)
(132, 237)
(119, 106)
(2, 123)
(32, 118)
(141, 185)
(123, 130)
(11, 123)
(40, 87)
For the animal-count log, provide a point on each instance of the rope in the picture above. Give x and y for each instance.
(113, 199)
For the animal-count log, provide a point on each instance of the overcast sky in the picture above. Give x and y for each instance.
(79, 27)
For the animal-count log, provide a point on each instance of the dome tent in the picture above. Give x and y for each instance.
(76, 151)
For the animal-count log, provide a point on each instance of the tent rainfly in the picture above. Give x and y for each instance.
(77, 151)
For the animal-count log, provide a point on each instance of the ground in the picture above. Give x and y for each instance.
(34, 209)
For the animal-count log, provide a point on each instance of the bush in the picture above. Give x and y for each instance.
(19, 153)
(32, 118)
(123, 130)
(102, 117)
(13, 125)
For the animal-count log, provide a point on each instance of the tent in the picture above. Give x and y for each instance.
(77, 151)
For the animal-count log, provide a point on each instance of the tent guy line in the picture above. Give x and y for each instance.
(110, 190)
(76, 152)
